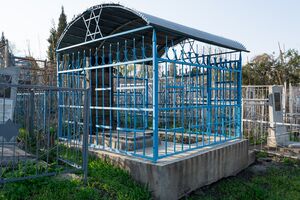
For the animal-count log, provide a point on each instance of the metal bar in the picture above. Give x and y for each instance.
(131, 87)
(39, 87)
(103, 96)
(90, 94)
(118, 95)
(155, 97)
(195, 64)
(85, 136)
(239, 97)
(209, 95)
(104, 38)
(96, 91)
(271, 123)
(108, 65)
(125, 103)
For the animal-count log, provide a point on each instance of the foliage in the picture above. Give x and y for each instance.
(268, 69)
(47, 188)
(254, 138)
(23, 135)
(52, 43)
(62, 22)
(115, 182)
(278, 183)
(261, 154)
(55, 34)
(34, 76)
(53, 135)
(5, 44)
(289, 161)
(294, 136)
(104, 182)
(52, 130)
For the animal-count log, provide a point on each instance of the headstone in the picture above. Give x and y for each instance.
(6, 110)
(8, 99)
(277, 133)
(9, 130)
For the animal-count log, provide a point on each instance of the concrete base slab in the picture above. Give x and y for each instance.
(124, 140)
(175, 176)
(294, 145)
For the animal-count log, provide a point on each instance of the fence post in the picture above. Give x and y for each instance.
(31, 113)
(155, 97)
(85, 134)
(239, 97)
(59, 96)
(209, 99)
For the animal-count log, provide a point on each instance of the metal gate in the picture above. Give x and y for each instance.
(30, 145)
(255, 113)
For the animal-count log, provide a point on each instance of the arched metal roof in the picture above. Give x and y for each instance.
(99, 22)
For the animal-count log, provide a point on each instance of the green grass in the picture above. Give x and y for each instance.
(279, 182)
(261, 154)
(115, 182)
(47, 188)
(104, 182)
(294, 136)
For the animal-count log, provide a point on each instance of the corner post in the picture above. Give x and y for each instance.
(155, 97)
(239, 97)
(209, 99)
(86, 122)
(59, 84)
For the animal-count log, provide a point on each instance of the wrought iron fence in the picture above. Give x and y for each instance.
(153, 103)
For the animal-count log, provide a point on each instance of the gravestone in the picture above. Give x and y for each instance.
(277, 133)
(8, 94)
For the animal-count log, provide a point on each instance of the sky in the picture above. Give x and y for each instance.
(259, 25)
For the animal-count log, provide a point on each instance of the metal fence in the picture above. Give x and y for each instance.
(29, 142)
(256, 118)
(154, 103)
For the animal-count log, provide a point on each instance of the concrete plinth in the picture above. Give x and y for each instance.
(175, 176)
(124, 141)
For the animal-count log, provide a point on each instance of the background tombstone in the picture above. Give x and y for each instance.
(277, 133)
(8, 94)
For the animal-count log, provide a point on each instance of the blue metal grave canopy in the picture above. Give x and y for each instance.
(156, 88)
(102, 21)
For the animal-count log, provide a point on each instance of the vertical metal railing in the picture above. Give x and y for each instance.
(31, 145)
(155, 97)
(85, 135)
(256, 122)
(155, 100)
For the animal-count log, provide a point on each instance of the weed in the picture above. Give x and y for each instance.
(278, 183)
(289, 161)
(104, 182)
(261, 154)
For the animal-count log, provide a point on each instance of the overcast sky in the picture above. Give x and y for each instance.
(258, 24)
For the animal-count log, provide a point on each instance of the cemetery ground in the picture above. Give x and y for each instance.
(268, 178)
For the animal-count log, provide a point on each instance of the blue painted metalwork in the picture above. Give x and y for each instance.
(83, 37)
(155, 95)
